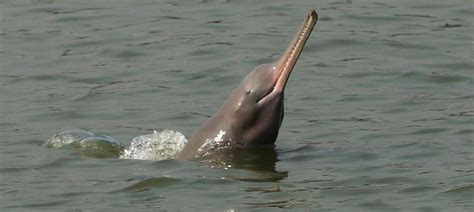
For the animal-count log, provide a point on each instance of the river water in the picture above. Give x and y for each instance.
(379, 109)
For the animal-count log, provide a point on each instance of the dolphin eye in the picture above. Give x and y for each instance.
(249, 92)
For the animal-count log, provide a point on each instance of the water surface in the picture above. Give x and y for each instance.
(379, 109)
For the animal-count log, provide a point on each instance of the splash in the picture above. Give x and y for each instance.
(85, 143)
(161, 145)
(156, 146)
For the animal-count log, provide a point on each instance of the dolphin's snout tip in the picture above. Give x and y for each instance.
(312, 13)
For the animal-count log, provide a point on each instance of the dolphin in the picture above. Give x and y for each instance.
(252, 115)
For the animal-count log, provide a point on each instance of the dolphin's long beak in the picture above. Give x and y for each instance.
(287, 61)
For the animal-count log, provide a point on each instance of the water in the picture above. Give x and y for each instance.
(379, 109)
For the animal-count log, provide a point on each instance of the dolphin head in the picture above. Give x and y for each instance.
(258, 107)
(253, 113)
(258, 101)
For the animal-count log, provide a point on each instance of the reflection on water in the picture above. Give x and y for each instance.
(261, 161)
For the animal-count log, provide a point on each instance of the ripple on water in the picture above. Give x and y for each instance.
(121, 53)
(461, 195)
(147, 184)
(465, 191)
(468, 65)
(430, 131)
(418, 190)
(433, 77)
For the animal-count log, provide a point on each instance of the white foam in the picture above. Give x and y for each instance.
(66, 137)
(156, 146)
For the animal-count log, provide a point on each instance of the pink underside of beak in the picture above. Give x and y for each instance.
(287, 61)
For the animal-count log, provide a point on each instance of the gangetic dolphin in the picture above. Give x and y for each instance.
(252, 115)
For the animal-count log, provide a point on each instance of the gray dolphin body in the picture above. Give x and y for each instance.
(252, 115)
